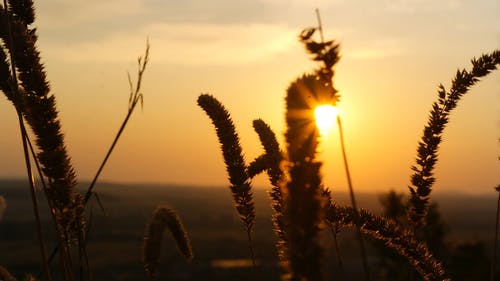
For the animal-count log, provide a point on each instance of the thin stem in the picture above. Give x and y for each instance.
(250, 246)
(320, 26)
(135, 97)
(67, 255)
(353, 201)
(495, 241)
(110, 150)
(337, 251)
(35, 204)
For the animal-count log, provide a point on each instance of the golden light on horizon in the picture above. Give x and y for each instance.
(325, 118)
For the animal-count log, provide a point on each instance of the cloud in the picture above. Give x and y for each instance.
(184, 43)
(368, 53)
(378, 49)
(187, 32)
(70, 14)
(81, 16)
(124, 13)
(235, 32)
(414, 6)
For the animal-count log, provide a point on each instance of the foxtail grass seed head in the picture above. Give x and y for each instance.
(305, 204)
(422, 179)
(305, 211)
(271, 162)
(5, 75)
(327, 53)
(233, 158)
(39, 109)
(402, 241)
(23, 10)
(273, 154)
(163, 218)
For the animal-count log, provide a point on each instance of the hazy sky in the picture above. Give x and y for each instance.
(394, 54)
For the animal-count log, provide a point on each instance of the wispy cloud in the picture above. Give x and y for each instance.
(379, 49)
(70, 14)
(413, 6)
(228, 31)
(185, 43)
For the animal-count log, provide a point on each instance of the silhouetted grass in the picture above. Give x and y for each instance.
(235, 164)
(163, 218)
(422, 178)
(302, 206)
(271, 162)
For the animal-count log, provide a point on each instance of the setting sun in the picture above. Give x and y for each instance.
(310, 146)
(325, 118)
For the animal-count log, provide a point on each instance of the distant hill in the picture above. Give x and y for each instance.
(470, 215)
(218, 235)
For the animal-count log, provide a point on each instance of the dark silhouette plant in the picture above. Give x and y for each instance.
(423, 178)
(303, 207)
(270, 162)
(235, 163)
(163, 218)
(395, 208)
(24, 82)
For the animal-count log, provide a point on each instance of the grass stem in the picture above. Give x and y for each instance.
(135, 97)
(353, 201)
(320, 26)
(337, 252)
(110, 150)
(495, 239)
(34, 200)
(250, 246)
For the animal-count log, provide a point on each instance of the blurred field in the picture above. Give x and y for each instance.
(218, 236)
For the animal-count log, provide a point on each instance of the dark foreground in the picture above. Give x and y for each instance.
(218, 237)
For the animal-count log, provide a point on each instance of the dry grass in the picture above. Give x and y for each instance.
(422, 178)
(235, 163)
(303, 208)
(163, 218)
(299, 195)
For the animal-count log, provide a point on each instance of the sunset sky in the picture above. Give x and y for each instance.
(245, 53)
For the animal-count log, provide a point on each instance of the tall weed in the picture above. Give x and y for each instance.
(303, 207)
